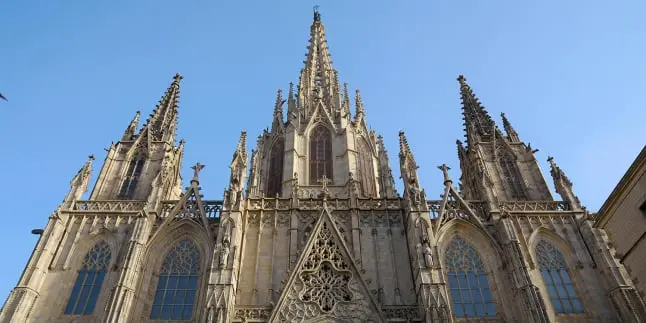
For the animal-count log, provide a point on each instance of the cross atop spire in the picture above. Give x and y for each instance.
(445, 170)
(196, 172)
(477, 121)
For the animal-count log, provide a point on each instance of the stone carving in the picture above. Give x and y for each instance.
(428, 254)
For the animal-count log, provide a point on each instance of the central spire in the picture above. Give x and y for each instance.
(318, 80)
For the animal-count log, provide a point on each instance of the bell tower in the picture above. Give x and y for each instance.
(496, 166)
(319, 139)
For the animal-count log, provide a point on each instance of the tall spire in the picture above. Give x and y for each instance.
(387, 182)
(318, 78)
(359, 110)
(130, 132)
(404, 149)
(162, 124)
(79, 183)
(511, 132)
(477, 121)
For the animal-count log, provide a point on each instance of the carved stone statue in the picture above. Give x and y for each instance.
(420, 255)
(224, 255)
(428, 255)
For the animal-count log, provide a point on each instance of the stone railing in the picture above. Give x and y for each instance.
(117, 206)
(535, 206)
(212, 208)
(251, 314)
(478, 207)
(401, 313)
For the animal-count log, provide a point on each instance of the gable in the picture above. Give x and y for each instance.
(325, 285)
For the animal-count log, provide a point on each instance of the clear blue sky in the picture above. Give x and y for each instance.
(570, 76)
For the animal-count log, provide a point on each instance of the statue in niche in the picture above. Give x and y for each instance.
(224, 256)
(420, 255)
(428, 254)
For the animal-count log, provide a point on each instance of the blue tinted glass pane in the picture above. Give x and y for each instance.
(190, 297)
(162, 282)
(455, 295)
(466, 296)
(166, 310)
(457, 308)
(80, 306)
(570, 291)
(158, 297)
(477, 296)
(468, 310)
(462, 280)
(561, 290)
(89, 280)
(177, 313)
(577, 306)
(183, 282)
(186, 314)
(555, 277)
(172, 282)
(453, 281)
(75, 293)
(168, 298)
(567, 307)
(491, 309)
(546, 276)
(483, 281)
(480, 311)
(155, 312)
(486, 294)
(565, 276)
(552, 292)
(472, 279)
(179, 297)
(94, 295)
(557, 305)
(192, 282)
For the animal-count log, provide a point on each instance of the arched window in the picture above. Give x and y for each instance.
(365, 172)
(468, 281)
(275, 175)
(557, 279)
(131, 179)
(177, 286)
(512, 177)
(320, 154)
(89, 280)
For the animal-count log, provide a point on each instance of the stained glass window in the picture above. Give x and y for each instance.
(365, 172)
(177, 286)
(320, 154)
(468, 282)
(132, 178)
(275, 176)
(557, 279)
(512, 177)
(89, 280)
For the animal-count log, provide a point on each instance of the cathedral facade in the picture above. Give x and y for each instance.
(312, 229)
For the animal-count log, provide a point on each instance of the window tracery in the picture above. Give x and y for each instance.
(365, 170)
(468, 282)
(89, 280)
(320, 154)
(512, 177)
(275, 180)
(177, 285)
(557, 279)
(131, 178)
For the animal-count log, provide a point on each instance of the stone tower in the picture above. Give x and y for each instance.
(317, 231)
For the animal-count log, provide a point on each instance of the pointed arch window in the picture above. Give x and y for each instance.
(512, 177)
(177, 285)
(131, 179)
(275, 175)
(470, 293)
(557, 279)
(89, 280)
(365, 170)
(320, 154)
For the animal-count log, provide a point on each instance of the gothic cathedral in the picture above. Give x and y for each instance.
(312, 229)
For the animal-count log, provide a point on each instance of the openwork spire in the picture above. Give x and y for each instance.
(478, 123)
(162, 124)
(511, 132)
(241, 148)
(278, 111)
(130, 132)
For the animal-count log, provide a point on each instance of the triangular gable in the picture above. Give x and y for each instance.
(320, 115)
(454, 206)
(325, 285)
(188, 207)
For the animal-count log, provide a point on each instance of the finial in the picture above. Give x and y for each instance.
(91, 157)
(178, 77)
(317, 14)
(197, 168)
(445, 170)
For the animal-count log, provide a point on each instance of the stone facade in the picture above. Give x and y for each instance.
(319, 232)
(623, 218)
